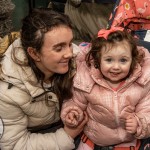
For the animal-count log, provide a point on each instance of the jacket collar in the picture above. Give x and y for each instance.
(85, 77)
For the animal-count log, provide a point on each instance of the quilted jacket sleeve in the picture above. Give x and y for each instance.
(142, 114)
(143, 107)
(78, 103)
(16, 136)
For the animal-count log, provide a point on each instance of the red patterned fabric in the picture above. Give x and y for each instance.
(134, 14)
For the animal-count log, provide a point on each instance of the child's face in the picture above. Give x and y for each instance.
(116, 62)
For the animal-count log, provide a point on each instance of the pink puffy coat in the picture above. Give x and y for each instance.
(108, 109)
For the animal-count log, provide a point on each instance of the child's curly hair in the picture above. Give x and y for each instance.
(114, 38)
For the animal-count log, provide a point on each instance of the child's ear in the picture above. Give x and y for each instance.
(33, 53)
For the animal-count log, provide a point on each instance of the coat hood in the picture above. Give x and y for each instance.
(141, 74)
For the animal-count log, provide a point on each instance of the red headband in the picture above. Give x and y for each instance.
(104, 32)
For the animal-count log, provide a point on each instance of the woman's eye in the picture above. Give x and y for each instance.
(108, 59)
(70, 45)
(58, 49)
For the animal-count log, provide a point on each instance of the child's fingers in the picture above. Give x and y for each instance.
(70, 122)
(75, 113)
(67, 119)
(130, 130)
(71, 116)
(129, 121)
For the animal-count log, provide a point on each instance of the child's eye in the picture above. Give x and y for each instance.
(123, 60)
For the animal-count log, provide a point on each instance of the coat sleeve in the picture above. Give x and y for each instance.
(15, 123)
(143, 107)
(143, 116)
(78, 103)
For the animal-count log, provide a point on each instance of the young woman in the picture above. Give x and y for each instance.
(36, 75)
(112, 84)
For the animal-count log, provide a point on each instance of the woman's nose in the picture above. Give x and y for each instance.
(68, 52)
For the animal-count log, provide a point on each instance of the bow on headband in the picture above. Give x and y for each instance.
(104, 33)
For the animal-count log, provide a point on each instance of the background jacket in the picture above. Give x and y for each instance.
(22, 106)
(108, 109)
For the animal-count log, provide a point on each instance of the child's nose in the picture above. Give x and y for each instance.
(116, 65)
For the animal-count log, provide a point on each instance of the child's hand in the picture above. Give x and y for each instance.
(71, 119)
(73, 132)
(72, 116)
(131, 124)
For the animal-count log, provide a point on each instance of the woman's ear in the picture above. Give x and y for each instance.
(33, 53)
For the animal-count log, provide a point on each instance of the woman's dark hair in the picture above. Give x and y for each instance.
(113, 38)
(35, 25)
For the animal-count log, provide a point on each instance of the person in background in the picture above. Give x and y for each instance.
(35, 77)
(88, 16)
(6, 23)
(112, 84)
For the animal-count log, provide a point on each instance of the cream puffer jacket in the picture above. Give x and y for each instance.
(22, 106)
(108, 109)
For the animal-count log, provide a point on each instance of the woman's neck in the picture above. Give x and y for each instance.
(46, 72)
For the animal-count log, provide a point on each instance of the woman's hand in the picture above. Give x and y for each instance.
(74, 131)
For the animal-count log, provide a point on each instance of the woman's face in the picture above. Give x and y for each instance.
(56, 51)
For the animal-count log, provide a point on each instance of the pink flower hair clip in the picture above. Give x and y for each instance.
(104, 32)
